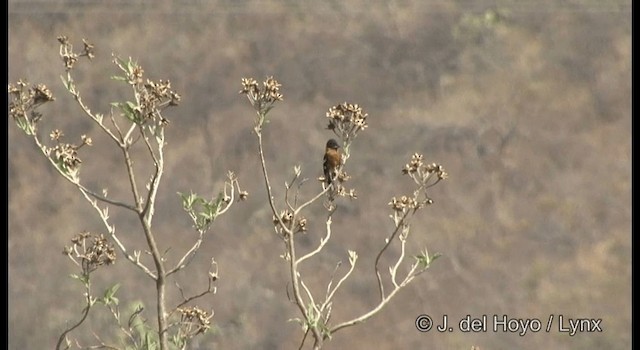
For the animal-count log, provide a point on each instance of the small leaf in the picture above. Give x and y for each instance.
(84, 279)
(425, 260)
(131, 105)
(130, 66)
(129, 110)
(121, 61)
(109, 293)
(65, 82)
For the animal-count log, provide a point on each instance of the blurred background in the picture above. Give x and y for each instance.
(525, 103)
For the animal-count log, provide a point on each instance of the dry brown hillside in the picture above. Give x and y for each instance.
(527, 104)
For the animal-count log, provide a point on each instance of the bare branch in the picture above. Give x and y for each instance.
(83, 317)
(112, 232)
(190, 254)
(210, 289)
(387, 243)
(310, 296)
(367, 315)
(330, 295)
(87, 111)
(393, 270)
(323, 241)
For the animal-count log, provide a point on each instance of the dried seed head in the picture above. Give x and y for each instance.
(41, 94)
(194, 317)
(99, 252)
(249, 85)
(56, 135)
(63, 39)
(346, 120)
(414, 164)
(88, 49)
(301, 226)
(262, 99)
(86, 140)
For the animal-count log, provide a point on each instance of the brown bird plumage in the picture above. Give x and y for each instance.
(332, 160)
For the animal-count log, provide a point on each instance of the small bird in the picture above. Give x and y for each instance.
(332, 160)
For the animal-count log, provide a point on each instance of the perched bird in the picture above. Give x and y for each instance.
(332, 161)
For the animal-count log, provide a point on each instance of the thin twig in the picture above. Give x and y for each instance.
(335, 289)
(85, 313)
(303, 339)
(190, 254)
(186, 300)
(393, 270)
(389, 240)
(323, 241)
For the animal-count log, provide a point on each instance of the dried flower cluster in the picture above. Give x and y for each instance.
(286, 217)
(194, 320)
(24, 102)
(68, 56)
(346, 120)
(404, 203)
(65, 155)
(343, 192)
(154, 97)
(151, 97)
(425, 176)
(93, 255)
(421, 172)
(262, 99)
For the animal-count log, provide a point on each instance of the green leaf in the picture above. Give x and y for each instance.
(109, 294)
(189, 200)
(131, 105)
(185, 200)
(130, 66)
(26, 126)
(123, 64)
(129, 110)
(425, 260)
(118, 78)
(149, 343)
(178, 341)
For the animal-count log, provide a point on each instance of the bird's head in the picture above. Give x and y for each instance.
(333, 144)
